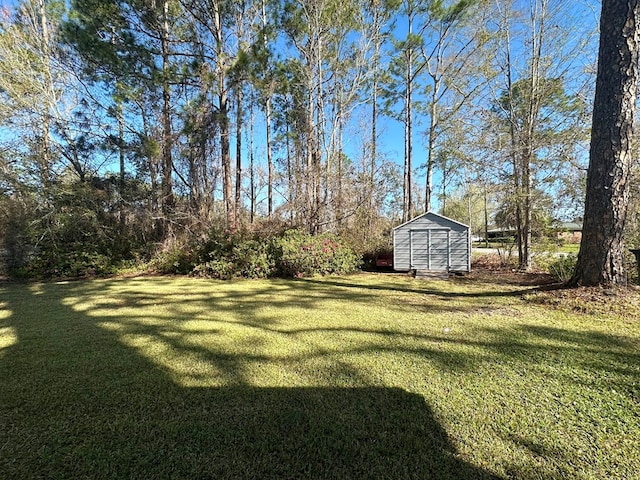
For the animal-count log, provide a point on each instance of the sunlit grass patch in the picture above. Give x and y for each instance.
(7, 337)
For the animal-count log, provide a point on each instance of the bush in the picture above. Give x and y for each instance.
(177, 258)
(229, 254)
(294, 254)
(246, 259)
(220, 268)
(254, 259)
(72, 234)
(301, 254)
(223, 255)
(562, 268)
(74, 264)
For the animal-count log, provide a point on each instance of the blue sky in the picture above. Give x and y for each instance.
(577, 20)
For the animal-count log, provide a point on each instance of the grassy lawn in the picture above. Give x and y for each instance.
(362, 377)
(570, 248)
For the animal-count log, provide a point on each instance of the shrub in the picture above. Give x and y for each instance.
(295, 254)
(178, 258)
(220, 268)
(246, 259)
(300, 254)
(72, 234)
(228, 254)
(562, 268)
(254, 259)
(72, 264)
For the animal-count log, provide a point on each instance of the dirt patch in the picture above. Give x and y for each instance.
(489, 268)
(512, 277)
(502, 311)
(620, 301)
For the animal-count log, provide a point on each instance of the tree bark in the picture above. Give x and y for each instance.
(223, 118)
(600, 261)
(239, 119)
(225, 153)
(121, 156)
(270, 172)
(267, 113)
(167, 134)
(407, 210)
(45, 153)
(252, 177)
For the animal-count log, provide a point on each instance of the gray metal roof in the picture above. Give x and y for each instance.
(432, 214)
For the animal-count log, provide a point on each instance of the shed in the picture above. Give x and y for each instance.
(432, 242)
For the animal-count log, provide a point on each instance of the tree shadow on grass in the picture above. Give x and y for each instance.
(75, 402)
(444, 293)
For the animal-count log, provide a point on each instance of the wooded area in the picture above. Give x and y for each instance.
(132, 127)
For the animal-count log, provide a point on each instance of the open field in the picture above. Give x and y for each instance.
(361, 377)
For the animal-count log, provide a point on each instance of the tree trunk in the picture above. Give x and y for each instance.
(252, 176)
(121, 156)
(223, 120)
(407, 204)
(537, 36)
(167, 134)
(526, 219)
(517, 190)
(486, 220)
(267, 113)
(270, 173)
(374, 145)
(45, 153)
(407, 211)
(239, 118)
(433, 112)
(600, 261)
(436, 77)
(227, 183)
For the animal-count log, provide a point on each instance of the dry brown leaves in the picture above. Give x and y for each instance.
(620, 301)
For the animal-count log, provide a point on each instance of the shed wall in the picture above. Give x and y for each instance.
(431, 242)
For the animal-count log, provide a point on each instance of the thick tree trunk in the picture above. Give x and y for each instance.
(600, 261)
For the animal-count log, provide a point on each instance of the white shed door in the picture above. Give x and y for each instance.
(430, 249)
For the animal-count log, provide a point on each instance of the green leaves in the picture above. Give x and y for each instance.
(449, 14)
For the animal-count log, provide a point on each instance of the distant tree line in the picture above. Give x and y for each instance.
(129, 125)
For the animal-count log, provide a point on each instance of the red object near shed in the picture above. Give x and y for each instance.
(384, 260)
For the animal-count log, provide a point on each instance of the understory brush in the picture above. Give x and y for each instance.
(226, 254)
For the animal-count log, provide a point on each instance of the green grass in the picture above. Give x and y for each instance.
(366, 377)
(570, 248)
